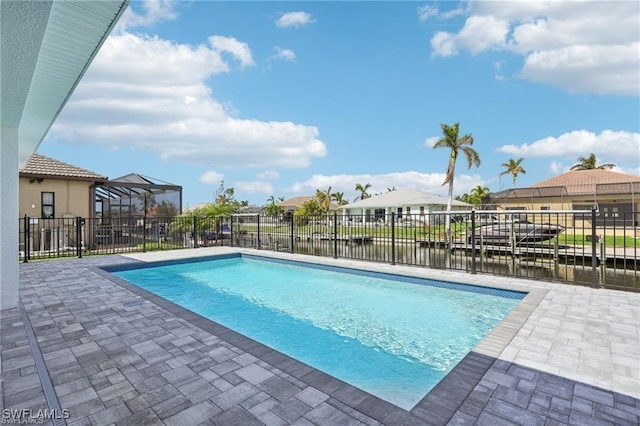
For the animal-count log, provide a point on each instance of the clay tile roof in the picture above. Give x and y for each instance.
(40, 165)
(297, 202)
(587, 181)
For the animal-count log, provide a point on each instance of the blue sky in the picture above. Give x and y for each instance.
(283, 98)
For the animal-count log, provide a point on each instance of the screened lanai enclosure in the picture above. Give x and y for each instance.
(134, 207)
(135, 195)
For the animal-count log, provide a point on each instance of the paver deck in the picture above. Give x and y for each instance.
(116, 354)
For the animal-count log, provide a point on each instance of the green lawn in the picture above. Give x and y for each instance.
(609, 240)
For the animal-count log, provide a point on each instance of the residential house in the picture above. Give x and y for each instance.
(616, 196)
(50, 188)
(290, 205)
(404, 203)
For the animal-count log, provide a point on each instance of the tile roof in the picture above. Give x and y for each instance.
(592, 181)
(297, 202)
(40, 165)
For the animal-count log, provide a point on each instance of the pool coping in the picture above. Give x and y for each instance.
(440, 404)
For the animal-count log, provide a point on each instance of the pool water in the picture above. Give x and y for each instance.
(391, 338)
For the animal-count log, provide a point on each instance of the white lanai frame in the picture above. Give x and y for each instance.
(46, 48)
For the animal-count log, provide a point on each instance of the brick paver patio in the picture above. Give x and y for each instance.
(115, 354)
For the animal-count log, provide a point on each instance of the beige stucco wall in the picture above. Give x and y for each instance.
(72, 198)
(567, 203)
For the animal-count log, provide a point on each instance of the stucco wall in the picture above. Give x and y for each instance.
(72, 198)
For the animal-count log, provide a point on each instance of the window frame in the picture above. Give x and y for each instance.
(44, 204)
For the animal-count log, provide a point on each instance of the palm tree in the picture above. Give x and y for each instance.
(590, 163)
(324, 199)
(273, 209)
(456, 144)
(513, 168)
(363, 190)
(338, 197)
(478, 194)
(393, 188)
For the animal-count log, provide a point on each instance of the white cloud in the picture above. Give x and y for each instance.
(581, 46)
(443, 44)
(600, 69)
(556, 167)
(482, 33)
(294, 19)
(609, 146)
(428, 182)
(268, 175)
(212, 177)
(253, 187)
(479, 33)
(148, 93)
(154, 11)
(427, 11)
(431, 141)
(286, 54)
(237, 49)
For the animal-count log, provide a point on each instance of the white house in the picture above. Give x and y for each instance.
(403, 203)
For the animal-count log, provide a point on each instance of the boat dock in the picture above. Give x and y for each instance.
(564, 253)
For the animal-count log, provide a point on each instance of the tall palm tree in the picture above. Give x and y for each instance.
(590, 163)
(513, 168)
(456, 144)
(363, 190)
(338, 197)
(324, 199)
(393, 188)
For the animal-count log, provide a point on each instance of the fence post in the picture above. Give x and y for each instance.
(195, 230)
(473, 241)
(258, 241)
(335, 235)
(393, 238)
(79, 237)
(291, 234)
(26, 239)
(144, 233)
(594, 259)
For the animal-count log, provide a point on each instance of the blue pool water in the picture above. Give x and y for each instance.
(391, 338)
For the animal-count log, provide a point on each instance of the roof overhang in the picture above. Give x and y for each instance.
(46, 48)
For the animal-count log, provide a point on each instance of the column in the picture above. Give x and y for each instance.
(9, 218)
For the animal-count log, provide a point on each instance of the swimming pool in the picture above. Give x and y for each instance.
(392, 336)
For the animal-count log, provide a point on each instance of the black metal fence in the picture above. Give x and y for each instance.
(565, 246)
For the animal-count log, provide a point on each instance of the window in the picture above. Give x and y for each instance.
(399, 212)
(379, 214)
(47, 202)
(544, 207)
(422, 210)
